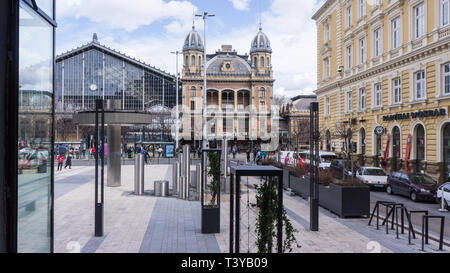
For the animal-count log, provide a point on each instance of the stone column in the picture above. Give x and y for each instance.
(114, 145)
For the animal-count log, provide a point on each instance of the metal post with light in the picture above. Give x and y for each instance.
(204, 16)
(177, 113)
(99, 204)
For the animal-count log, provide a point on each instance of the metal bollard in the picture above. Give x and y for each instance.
(164, 188)
(139, 174)
(186, 170)
(175, 177)
(198, 168)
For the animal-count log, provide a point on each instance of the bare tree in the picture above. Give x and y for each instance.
(64, 126)
(344, 132)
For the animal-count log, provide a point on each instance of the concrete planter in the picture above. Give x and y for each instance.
(345, 201)
(300, 186)
(210, 220)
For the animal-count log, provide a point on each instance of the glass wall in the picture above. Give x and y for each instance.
(35, 123)
(136, 87)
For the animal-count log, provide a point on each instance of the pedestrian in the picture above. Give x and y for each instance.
(234, 152)
(144, 152)
(69, 160)
(255, 152)
(92, 152)
(248, 155)
(60, 159)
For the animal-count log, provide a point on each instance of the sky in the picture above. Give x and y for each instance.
(149, 30)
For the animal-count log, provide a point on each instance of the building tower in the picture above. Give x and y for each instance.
(261, 54)
(193, 52)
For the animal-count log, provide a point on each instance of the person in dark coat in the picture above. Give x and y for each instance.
(69, 160)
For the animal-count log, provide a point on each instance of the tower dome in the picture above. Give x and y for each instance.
(260, 43)
(193, 41)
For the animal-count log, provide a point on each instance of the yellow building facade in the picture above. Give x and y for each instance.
(384, 77)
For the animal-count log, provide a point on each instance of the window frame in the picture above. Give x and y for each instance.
(396, 32)
(362, 99)
(419, 26)
(362, 50)
(378, 42)
(422, 82)
(444, 75)
(349, 57)
(442, 3)
(350, 101)
(349, 16)
(378, 88)
(396, 88)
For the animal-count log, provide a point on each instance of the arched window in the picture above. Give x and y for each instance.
(187, 61)
(255, 62)
(268, 62)
(262, 62)
(193, 92)
(193, 60)
(262, 93)
(396, 148)
(200, 60)
(420, 146)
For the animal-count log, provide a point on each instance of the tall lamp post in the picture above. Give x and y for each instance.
(99, 108)
(178, 114)
(205, 15)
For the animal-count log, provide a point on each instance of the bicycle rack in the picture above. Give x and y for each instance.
(377, 210)
(411, 229)
(425, 231)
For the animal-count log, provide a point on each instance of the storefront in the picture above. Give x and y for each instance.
(27, 166)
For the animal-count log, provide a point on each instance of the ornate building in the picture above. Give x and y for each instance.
(237, 87)
(384, 77)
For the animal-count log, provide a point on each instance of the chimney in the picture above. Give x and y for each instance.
(227, 48)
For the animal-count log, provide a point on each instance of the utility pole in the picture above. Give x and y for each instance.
(178, 114)
(205, 15)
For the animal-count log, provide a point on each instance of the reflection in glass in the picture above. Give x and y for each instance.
(34, 136)
(46, 6)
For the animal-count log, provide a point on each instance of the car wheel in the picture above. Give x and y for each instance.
(414, 197)
(389, 190)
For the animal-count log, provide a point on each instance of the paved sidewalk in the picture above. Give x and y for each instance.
(147, 224)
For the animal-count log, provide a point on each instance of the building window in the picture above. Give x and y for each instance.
(262, 93)
(397, 90)
(362, 50)
(326, 68)
(350, 101)
(349, 57)
(193, 92)
(327, 106)
(445, 12)
(378, 98)
(193, 61)
(420, 84)
(419, 20)
(327, 32)
(446, 78)
(349, 16)
(396, 33)
(378, 44)
(362, 8)
(261, 63)
(362, 98)
(192, 105)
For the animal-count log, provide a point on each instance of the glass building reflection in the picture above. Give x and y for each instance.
(138, 86)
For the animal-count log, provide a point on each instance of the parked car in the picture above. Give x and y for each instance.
(337, 168)
(444, 190)
(325, 159)
(416, 186)
(373, 177)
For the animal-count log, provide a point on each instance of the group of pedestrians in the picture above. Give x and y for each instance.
(61, 158)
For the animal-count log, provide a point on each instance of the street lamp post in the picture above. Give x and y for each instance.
(99, 200)
(204, 16)
(178, 114)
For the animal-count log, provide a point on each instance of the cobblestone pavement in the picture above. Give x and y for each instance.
(148, 224)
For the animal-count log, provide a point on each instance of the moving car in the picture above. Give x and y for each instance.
(444, 190)
(416, 186)
(373, 177)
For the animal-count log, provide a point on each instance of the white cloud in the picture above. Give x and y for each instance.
(240, 4)
(128, 15)
(287, 23)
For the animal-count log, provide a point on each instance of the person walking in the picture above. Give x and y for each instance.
(69, 160)
(234, 152)
(60, 159)
(248, 155)
(287, 159)
(255, 153)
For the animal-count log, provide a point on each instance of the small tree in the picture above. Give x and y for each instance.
(266, 222)
(215, 174)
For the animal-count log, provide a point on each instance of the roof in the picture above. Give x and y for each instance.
(322, 9)
(94, 44)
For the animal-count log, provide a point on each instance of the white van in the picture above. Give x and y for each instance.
(325, 158)
(283, 155)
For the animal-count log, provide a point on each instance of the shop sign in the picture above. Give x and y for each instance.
(418, 114)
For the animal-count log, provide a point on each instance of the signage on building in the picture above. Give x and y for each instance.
(417, 114)
(379, 130)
